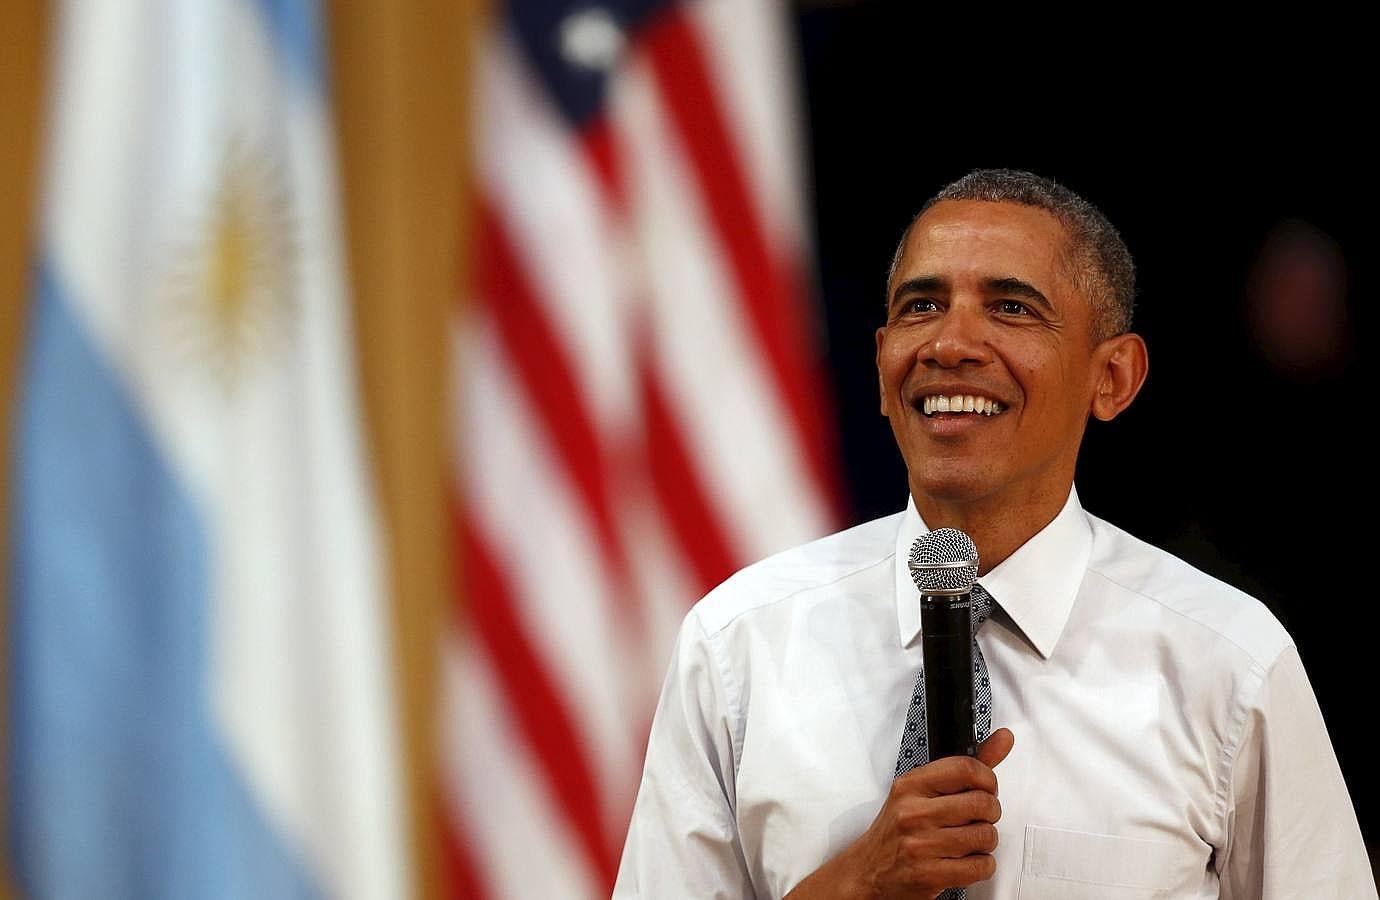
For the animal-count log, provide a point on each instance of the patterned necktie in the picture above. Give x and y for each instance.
(914, 750)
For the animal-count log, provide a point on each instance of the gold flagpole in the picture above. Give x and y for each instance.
(400, 75)
(24, 27)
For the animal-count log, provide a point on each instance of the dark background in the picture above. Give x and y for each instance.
(1235, 178)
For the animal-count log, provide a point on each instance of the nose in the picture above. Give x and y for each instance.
(960, 337)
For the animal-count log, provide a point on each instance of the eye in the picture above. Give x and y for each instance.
(1012, 308)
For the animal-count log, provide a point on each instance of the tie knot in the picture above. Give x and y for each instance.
(982, 605)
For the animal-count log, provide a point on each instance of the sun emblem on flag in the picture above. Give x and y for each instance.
(232, 287)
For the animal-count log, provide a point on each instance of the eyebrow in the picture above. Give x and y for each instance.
(922, 285)
(1017, 288)
(1013, 287)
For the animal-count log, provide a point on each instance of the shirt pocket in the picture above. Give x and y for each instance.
(1079, 865)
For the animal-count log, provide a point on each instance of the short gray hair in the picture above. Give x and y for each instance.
(1102, 264)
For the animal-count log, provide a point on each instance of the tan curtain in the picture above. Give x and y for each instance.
(23, 27)
(401, 81)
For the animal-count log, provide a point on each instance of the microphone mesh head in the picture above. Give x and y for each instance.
(933, 550)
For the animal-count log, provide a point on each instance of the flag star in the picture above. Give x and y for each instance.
(591, 39)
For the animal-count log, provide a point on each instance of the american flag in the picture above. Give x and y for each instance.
(638, 404)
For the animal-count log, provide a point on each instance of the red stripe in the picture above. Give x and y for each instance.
(677, 485)
(459, 869)
(601, 149)
(772, 295)
(548, 376)
(534, 701)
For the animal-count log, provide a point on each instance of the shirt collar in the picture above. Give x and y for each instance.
(1035, 586)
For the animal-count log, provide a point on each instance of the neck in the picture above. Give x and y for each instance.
(999, 526)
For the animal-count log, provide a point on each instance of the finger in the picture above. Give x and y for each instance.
(996, 747)
(960, 872)
(950, 775)
(918, 816)
(956, 842)
(953, 810)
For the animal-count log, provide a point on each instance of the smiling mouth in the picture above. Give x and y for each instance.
(960, 403)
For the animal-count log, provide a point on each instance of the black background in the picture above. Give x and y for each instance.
(1254, 474)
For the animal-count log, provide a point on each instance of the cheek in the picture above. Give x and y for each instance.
(893, 365)
(1054, 393)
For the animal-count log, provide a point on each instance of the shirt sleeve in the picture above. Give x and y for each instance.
(683, 840)
(1291, 827)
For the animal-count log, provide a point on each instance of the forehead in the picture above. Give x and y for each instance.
(976, 240)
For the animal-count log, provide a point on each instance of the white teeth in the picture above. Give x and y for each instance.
(960, 403)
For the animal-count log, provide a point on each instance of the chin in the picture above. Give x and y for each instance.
(950, 486)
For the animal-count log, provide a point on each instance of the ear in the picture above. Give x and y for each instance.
(881, 388)
(1122, 363)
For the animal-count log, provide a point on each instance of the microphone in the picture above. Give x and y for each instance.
(943, 565)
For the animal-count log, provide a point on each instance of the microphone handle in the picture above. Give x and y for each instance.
(947, 645)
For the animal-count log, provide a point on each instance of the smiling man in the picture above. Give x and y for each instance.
(1155, 732)
(991, 304)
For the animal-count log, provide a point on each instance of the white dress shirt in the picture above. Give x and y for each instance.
(1168, 743)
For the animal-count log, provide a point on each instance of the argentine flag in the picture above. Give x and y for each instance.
(201, 691)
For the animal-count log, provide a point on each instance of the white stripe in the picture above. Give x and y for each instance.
(716, 375)
(538, 176)
(494, 786)
(121, 151)
(666, 590)
(542, 536)
(329, 755)
(749, 59)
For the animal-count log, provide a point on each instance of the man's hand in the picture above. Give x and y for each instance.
(935, 831)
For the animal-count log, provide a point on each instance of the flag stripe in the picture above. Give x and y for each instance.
(460, 870)
(601, 149)
(533, 698)
(747, 51)
(492, 780)
(678, 485)
(293, 28)
(770, 297)
(558, 583)
(537, 175)
(712, 367)
(109, 665)
(692, 521)
(548, 377)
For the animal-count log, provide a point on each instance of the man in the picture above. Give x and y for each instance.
(1158, 736)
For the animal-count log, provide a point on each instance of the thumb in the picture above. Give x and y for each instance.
(996, 747)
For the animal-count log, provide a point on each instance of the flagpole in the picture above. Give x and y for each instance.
(401, 71)
(22, 78)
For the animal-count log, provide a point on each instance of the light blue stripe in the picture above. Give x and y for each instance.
(295, 28)
(118, 786)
